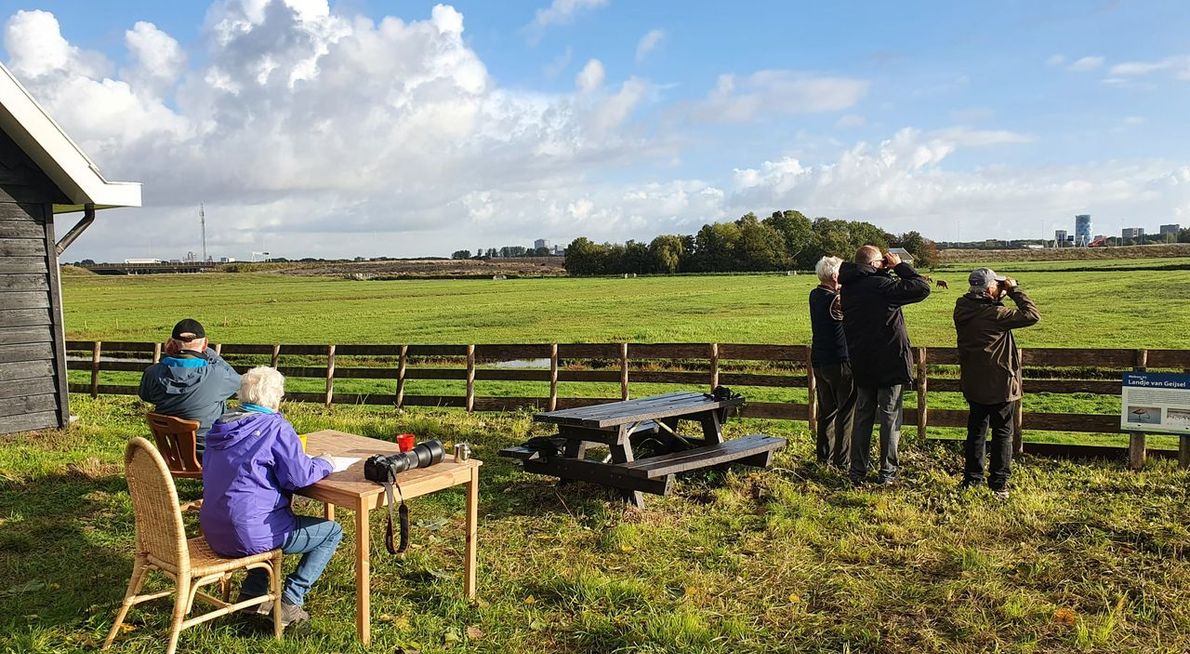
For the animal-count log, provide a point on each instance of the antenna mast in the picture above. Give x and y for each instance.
(202, 219)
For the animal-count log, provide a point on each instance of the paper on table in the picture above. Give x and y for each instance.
(342, 463)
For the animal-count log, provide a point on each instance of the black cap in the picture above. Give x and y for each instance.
(188, 330)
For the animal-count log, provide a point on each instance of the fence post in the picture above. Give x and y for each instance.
(1018, 413)
(96, 349)
(553, 402)
(923, 419)
(623, 371)
(1184, 451)
(811, 394)
(714, 366)
(401, 361)
(157, 353)
(1136, 440)
(330, 373)
(218, 348)
(470, 378)
(276, 356)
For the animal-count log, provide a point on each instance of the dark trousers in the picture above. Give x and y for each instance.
(874, 404)
(999, 416)
(836, 410)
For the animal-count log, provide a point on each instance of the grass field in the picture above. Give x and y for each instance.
(1134, 309)
(1085, 557)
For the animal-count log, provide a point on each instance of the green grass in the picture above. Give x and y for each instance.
(1135, 309)
(1085, 557)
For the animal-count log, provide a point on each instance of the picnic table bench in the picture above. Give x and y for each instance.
(625, 426)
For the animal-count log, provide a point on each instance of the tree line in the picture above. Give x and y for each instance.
(786, 240)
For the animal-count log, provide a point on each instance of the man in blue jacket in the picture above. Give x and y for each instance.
(191, 382)
(875, 288)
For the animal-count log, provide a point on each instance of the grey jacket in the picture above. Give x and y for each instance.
(190, 386)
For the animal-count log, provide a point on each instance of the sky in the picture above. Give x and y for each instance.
(385, 128)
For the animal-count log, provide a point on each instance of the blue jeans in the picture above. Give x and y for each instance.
(316, 539)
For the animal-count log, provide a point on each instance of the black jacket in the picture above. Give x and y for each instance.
(876, 337)
(828, 347)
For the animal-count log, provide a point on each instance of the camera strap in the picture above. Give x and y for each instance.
(403, 519)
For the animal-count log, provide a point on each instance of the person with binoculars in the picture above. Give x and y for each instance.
(990, 371)
(874, 288)
(252, 465)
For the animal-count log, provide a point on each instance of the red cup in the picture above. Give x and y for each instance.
(405, 442)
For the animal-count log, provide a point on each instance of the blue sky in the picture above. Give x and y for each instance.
(323, 130)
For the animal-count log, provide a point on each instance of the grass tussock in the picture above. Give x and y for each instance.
(1084, 557)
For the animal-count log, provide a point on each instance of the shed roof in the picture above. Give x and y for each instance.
(35, 132)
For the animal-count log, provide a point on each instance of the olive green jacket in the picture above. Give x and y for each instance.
(989, 364)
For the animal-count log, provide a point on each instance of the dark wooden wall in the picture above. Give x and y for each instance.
(32, 357)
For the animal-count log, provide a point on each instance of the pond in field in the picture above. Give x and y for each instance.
(524, 363)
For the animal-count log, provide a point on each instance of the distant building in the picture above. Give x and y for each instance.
(1082, 230)
(540, 244)
(558, 251)
(1169, 229)
(1059, 238)
(1133, 233)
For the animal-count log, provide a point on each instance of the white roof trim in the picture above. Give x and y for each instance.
(35, 132)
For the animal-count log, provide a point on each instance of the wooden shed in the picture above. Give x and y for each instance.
(42, 174)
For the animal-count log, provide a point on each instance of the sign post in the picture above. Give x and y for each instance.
(1157, 403)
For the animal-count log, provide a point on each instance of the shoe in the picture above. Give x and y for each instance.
(292, 614)
(1001, 494)
(968, 484)
(888, 481)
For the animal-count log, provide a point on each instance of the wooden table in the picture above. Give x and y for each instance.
(349, 489)
(616, 424)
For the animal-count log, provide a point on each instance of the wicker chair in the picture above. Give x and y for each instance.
(161, 545)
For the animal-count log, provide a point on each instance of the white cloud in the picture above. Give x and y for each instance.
(158, 59)
(1178, 66)
(560, 12)
(901, 184)
(1055, 60)
(967, 137)
(1085, 64)
(648, 43)
(590, 78)
(777, 92)
(301, 121)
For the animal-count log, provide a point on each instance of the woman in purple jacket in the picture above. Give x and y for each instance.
(252, 464)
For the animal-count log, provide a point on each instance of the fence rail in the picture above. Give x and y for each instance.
(1048, 370)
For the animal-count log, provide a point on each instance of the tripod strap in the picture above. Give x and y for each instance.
(403, 520)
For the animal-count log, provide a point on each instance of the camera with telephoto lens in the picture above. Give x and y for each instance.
(381, 468)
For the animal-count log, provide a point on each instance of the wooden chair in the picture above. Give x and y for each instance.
(161, 545)
(177, 440)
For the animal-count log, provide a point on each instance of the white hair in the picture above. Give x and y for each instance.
(827, 268)
(264, 386)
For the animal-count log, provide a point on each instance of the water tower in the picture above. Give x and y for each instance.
(1082, 230)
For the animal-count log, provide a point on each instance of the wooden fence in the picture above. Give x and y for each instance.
(1047, 370)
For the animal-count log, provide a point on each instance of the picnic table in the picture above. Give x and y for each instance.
(349, 489)
(622, 425)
